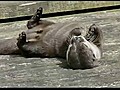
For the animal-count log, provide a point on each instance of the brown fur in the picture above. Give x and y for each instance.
(52, 41)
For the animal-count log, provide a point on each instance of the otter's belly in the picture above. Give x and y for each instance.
(57, 35)
(52, 42)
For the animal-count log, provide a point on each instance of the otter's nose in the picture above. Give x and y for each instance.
(77, 39)
(74, 39)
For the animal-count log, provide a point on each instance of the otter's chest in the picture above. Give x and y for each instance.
(56, 35)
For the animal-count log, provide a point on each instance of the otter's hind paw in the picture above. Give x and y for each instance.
(22, 38)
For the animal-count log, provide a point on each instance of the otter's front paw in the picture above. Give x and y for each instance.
(21, 39)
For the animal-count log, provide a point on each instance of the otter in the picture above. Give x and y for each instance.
(53, 41)
(48, 39)
(65, 40)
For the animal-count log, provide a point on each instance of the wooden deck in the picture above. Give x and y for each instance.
(17, 71)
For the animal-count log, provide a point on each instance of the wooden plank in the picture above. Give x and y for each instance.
(16, 71)
(55, 14)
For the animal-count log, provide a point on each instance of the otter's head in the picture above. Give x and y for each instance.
(80, 53)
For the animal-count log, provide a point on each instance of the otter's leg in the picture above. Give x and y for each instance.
(21, 41)
(29, 48)
(34, 21)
